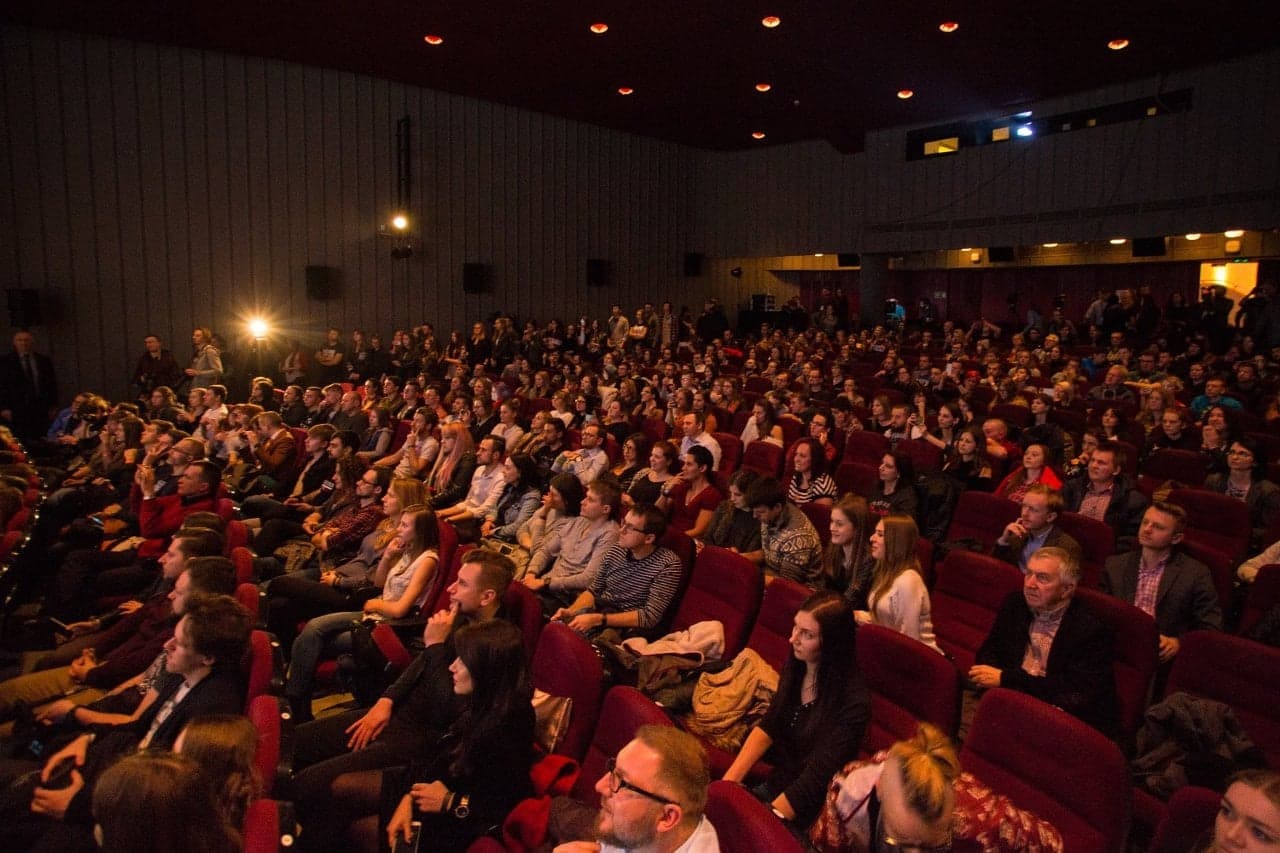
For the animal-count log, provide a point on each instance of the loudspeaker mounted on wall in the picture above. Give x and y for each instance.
(1148, 247)
(693, 264)
(848, 259)
(24, 307)
(322, 283)
(477, 278)
(597, 272)
(1000, 254)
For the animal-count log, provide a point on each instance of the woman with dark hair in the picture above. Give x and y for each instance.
(562, 501)
(732, 525)
(616, 421)
(479, 769)
(407, 576)
(1116, 427)
(163, 405)
(950, 422)
(898, 598)
(762, 425)
(635, 447)
(519, 499)
(1035, 468)
(967, 461)
(648, 483)
(377, 441)
(224, 745)
(817, 718)
(1245, 480)
(881, 414)
(810, 482)
(157, 802)
(691, 499)
(895, 493)
(847, 564)
(1044, 431)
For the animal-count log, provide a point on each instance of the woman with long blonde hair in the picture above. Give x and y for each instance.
(450, 476)
(898, 598)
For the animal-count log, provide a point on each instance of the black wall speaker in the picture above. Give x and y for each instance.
(848, 259)
(24, 307)
(597, 272)
(1000, 254)
(693, 264)
(1148, 247)
(477, 278)
(322, 283)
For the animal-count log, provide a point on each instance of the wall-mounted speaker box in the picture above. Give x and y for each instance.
(477, 278)
(24, 307)
(848, 259)
(597, 272)
(322, 283)
(1148, 247)
(693, 264)
(1000, 254)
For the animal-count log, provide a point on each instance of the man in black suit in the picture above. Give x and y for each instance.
(1176, 590)
(203, 676)
(28, 388)
(1047, 644)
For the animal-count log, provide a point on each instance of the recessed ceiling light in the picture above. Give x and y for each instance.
(1192, 237)
(600, 28)
(1233, 234)
(949, 26)
(625, 90)
(432, 39)
(1025, 131)
(770, 21)
(1050, 245)
(905, 93)
(967, 249)
(763, 87)
(759, 134)
(1118, 241)
(819, 255)
(1118, 44)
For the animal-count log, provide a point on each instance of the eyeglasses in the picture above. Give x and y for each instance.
(627, 526)
(617, 783)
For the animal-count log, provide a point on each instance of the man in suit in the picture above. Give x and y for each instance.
(1047, 644)
(1034, 528)
(28, 388)
(202, 662)
(274, 449)
(1107, 495)
(1163, 582)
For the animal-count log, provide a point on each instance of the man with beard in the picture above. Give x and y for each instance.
(652, 797)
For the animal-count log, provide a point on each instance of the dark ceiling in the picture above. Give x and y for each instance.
(835, 67)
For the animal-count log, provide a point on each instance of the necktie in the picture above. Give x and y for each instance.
(29, 368)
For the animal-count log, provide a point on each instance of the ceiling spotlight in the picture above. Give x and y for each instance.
(1025, 131)
(819, 254)
(625, 90)
(1050, 245)
(258, 328)
(759, 134)
(903, 94)
(949, 26)
(770, 21)
(1192, 237)
(432, 40)
(1233, 234)
(400, 222)
(1118, 44)
(600, 28)
(763, 87)
(1118, 241)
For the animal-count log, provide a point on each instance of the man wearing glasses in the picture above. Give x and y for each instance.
(652, 798)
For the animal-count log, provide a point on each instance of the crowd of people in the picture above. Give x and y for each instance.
(567, 454)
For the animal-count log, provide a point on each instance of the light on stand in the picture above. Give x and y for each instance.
(258, 328)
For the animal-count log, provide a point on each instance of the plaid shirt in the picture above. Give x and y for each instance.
(1144, 597)
(1044, 627)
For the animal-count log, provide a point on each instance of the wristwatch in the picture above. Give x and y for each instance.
(463, 809)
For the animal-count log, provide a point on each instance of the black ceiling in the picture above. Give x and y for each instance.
(835, 67)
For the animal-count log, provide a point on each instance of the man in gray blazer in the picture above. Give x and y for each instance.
(1176, 590)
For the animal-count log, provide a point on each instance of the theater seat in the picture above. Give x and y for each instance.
(1215, 520)
(771, 635)
(565, 664)
(1052, 764)
(1191, 814)
(730, 453)
(865, 446)
(909, 683)
(1263, 594)
(763, 458)
(726, 587)
(625, 709)
(269, 826)
(965, 599)
(270, 715)
(744, 824)
(981, 517)
(1097, 542)
(524, 609)
(1136, 654)
(263, 667)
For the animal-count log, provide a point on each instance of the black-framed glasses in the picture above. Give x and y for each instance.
(617, 783)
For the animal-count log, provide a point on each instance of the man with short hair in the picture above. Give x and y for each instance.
(1106, 494)
(692, 424)
(1048, 644)
(272, 446)
(311, 400)
(587, 462)
(1034, 528)
(330, 358)
(1163, 582)
(216, 413)
(548, 450)
(636, 584)
(292, 410)
(902, 426)
(820, 431)
(1215, 394)
(568, 558)
(999, 446)
(789, 543)
(349, 415)
(1171, 434)
(653, 795)
(1113, 387)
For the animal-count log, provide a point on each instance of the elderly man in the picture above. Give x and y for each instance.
(652, 798)
(1048, 644)
(1113, 387)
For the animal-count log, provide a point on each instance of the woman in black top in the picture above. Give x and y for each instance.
(818, 716)
(732, 524)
